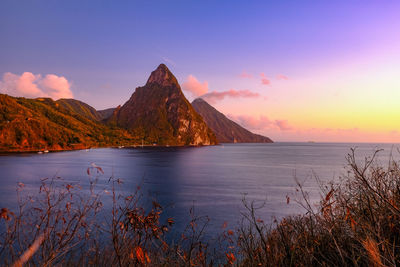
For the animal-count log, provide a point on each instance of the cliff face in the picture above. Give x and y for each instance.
(159, 113)
(227, 131)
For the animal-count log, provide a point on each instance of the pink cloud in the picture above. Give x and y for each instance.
(23, 85)
(245, 75)
(30, 85)
(264, 79)
(193, 86)
(260, 123)
(217, 96)
(56, 87)
(283, 125)
(251, 122)
(282, 77)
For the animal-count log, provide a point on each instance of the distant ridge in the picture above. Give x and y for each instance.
(79, 107)
(106, 113)
(159, 113)
(226, 130)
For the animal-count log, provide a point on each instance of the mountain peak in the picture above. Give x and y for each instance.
(162, 76)
(159, 113)
(199, 100)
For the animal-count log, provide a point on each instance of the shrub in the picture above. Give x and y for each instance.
(355, 224)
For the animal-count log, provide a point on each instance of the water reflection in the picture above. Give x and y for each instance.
(213, 179)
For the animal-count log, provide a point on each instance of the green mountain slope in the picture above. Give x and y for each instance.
(79, 107)
(37, 124)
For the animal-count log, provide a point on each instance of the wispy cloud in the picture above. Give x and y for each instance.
(282, 77)
(283, 125)
(264, 79)
(194, 86)
(260, 123)
(30, 85)
(200, 89)
(246, 75)
(212, 97)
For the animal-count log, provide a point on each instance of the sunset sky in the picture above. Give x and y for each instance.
(326, 71)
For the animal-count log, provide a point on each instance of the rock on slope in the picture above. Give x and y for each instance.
(159, 113)
(226, 130)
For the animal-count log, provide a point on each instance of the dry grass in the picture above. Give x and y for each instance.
(357, 223)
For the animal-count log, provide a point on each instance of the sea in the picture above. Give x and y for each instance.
(211, 181)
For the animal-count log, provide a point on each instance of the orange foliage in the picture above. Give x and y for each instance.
(230, 258)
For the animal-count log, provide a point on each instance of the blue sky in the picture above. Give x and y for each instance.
(105, 49)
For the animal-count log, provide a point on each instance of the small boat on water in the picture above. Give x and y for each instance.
(46, 151)
(40, 152)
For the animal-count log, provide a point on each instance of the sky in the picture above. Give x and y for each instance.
(324, 71)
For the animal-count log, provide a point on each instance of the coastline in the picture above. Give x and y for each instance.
(17, 151)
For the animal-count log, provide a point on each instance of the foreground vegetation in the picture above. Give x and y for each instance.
(357, 223)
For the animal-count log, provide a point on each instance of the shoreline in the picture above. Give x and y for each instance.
(19, 151)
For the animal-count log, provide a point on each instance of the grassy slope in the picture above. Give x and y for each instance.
(34, 124)
(79, 107)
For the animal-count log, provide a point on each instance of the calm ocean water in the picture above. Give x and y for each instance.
(212, 179)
